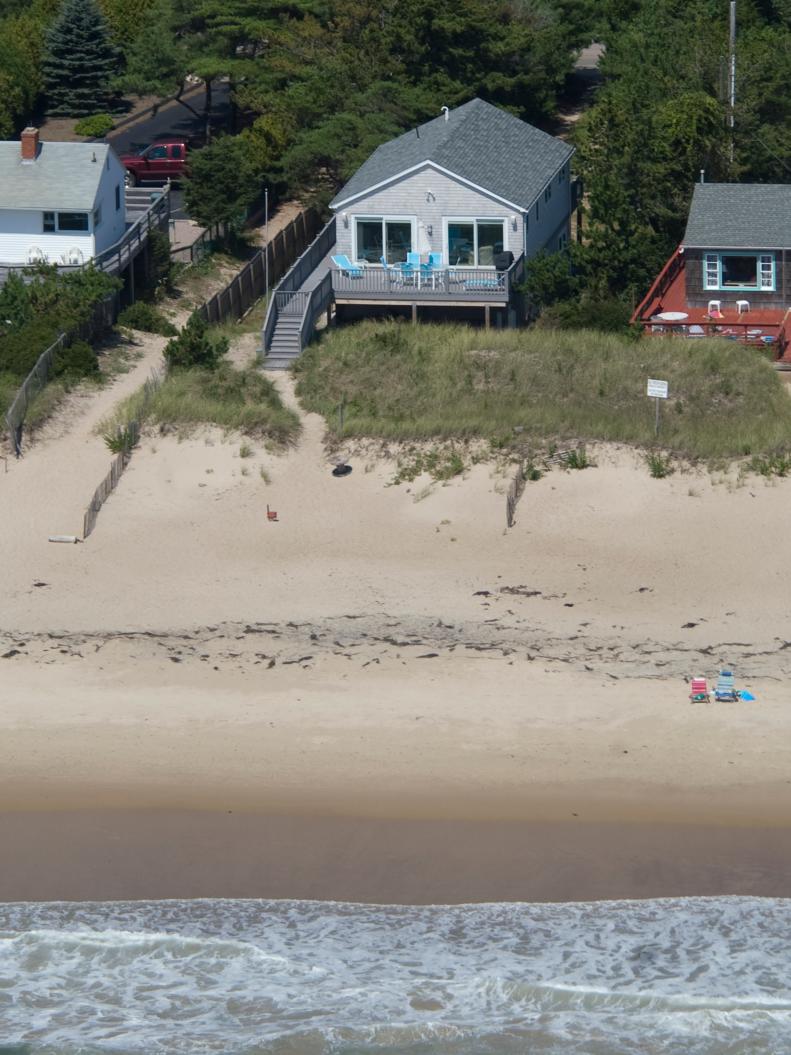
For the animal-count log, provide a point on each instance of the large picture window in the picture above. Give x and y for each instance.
(380, 236)
(474, 243)
(739, 271)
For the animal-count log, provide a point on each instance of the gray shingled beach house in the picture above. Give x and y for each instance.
(436, 224)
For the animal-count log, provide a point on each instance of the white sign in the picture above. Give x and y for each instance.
(657, 389)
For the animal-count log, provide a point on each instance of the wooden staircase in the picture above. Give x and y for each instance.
(298, 301)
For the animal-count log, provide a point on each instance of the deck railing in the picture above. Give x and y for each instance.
(288, 299)
(662, 283)
(747, 332)
(457, 283)
(319, 299)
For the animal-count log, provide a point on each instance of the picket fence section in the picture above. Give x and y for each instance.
(131, 437)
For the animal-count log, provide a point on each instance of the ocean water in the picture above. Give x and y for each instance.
(694, 976)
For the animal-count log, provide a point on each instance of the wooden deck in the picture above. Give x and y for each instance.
(668, 294)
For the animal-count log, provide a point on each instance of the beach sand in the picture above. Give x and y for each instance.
(386, 695)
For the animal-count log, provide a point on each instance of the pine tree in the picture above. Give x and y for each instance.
(80, 61)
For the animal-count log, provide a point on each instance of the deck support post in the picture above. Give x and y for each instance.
(414, 312)
(131, 281)
(487, 316)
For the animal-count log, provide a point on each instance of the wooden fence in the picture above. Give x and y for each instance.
(236, 299)
(110, 482)
(513, 495)
(131, 436)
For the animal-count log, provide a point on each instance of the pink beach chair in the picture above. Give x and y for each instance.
(699, 691)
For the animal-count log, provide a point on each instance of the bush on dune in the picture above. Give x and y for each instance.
(238, 400)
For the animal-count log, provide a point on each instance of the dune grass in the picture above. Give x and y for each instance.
(235, 400)
(425, 382)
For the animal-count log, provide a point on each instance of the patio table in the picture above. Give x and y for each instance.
(671, 316)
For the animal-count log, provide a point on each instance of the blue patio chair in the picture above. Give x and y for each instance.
(725, 689)
(344, 264)
(435, 261)
(393, 271)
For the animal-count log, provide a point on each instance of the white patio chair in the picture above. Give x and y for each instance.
(742, 307)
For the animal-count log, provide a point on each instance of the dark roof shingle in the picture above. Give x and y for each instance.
(739, 216)
(479, 142)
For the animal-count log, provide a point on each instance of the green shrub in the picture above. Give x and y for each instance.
(439, 463)
(144, 316)
(76, 360)
(777, 463)
(531, 472)
(163, 269)
(659, 465)
(20, 348)
(95, 126)
(121, 441)
(577, 459)
(195, 346)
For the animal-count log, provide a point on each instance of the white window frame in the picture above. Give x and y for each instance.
(712, 272)
(474, 220)
(97, 217)
(383, 219)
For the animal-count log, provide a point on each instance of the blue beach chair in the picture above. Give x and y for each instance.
(344, 264)
(725, 689)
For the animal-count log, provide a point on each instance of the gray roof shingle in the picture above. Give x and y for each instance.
(63, 176)
(739, 216)
(479, 142)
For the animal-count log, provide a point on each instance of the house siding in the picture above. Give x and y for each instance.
(430, 197)
(554, 217)
(21, 230)
(698, 297)
(113, 224)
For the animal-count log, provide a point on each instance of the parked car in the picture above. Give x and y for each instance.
(161, 160)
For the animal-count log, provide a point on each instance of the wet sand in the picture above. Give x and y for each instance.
(135, 854)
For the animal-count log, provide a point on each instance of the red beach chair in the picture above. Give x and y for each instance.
(270, 513)
(699, 691)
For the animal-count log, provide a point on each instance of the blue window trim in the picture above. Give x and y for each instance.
(757, 288)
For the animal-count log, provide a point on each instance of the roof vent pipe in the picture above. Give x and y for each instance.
(445, 111)
(702, 175)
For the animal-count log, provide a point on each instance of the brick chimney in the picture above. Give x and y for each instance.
(29, 142)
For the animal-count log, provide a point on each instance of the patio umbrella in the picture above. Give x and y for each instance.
(423, 241)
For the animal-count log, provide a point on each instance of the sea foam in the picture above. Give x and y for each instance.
(692, 976)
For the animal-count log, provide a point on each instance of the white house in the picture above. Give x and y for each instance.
(60, 203)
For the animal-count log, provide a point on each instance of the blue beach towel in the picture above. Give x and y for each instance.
(745, 695)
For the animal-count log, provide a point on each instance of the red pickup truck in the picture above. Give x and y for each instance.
(163, 159)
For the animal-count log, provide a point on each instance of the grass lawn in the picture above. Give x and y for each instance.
(451, 382)
(236, 400)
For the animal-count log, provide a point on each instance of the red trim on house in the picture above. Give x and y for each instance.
(668, 293)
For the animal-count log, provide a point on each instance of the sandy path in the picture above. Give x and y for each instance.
(47, 490)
